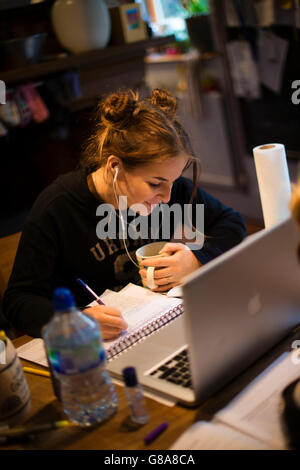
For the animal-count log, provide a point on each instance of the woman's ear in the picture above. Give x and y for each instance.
(113, 165)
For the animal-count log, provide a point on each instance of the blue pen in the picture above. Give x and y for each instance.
(88, 289)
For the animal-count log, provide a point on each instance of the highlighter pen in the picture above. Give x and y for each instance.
(24, 431)
(155, 433)
(31, 370)
(88, 289)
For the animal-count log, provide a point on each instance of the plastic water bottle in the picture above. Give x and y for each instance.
(75, 350)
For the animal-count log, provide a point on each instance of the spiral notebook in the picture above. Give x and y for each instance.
(144, 311)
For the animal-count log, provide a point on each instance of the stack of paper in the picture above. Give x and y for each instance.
(253, 420)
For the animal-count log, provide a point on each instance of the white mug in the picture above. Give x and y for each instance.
(150, 251)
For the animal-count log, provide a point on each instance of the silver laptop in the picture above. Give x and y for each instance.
(235, 309)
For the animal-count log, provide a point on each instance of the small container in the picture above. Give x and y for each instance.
(135, 397)
(14, 392)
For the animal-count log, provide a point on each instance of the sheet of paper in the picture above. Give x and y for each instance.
(244, 70)
(33, 351)
(215, 436)
(137, 291)
(175, 292)
(133, 289)
(272, 57)
(256, 410)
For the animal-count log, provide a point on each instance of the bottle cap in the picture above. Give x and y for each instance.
(63, 299)
(130, 377)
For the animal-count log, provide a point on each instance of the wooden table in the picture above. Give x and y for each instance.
(116, 433)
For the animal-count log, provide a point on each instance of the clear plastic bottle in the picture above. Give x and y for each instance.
(135, 397)
(74, 347)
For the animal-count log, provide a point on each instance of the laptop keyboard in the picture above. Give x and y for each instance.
(175, 370)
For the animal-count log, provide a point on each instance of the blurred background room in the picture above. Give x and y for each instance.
(233, 64)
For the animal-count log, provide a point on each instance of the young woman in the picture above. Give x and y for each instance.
(138, 150)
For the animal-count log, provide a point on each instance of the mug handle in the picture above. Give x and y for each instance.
(150, 277)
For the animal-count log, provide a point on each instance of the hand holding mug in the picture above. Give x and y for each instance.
(175, 261)
(149, 252)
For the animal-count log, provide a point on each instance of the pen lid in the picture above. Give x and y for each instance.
(130, 377)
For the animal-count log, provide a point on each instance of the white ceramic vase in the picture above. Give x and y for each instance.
(81, 25)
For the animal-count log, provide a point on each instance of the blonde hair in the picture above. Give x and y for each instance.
(138, 131)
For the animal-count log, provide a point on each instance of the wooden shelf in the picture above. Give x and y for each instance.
(109, 56)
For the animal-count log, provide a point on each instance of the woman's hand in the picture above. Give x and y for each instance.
(110, 320)
(171, 269)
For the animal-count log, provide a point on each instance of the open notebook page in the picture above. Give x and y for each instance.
(138, 305)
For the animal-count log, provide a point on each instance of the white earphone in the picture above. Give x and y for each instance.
(121, 216)
(116, 173)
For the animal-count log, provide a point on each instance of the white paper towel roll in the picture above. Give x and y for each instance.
(273, 182)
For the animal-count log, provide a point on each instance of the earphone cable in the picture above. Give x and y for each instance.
(123, 225)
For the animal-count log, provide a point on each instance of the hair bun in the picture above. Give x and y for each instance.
(117, 109)
(165, 101)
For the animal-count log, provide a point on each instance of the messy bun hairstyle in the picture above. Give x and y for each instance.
(138, 131)
(117, 110)
(165, 101)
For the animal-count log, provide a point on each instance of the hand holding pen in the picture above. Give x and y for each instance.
(110, 318)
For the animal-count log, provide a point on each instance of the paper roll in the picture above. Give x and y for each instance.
(273, 182)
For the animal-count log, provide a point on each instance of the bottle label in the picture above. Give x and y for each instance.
(77, 359)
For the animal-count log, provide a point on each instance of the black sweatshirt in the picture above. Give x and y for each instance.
(59, 244)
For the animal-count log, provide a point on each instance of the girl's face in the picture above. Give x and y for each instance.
(150, 184)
